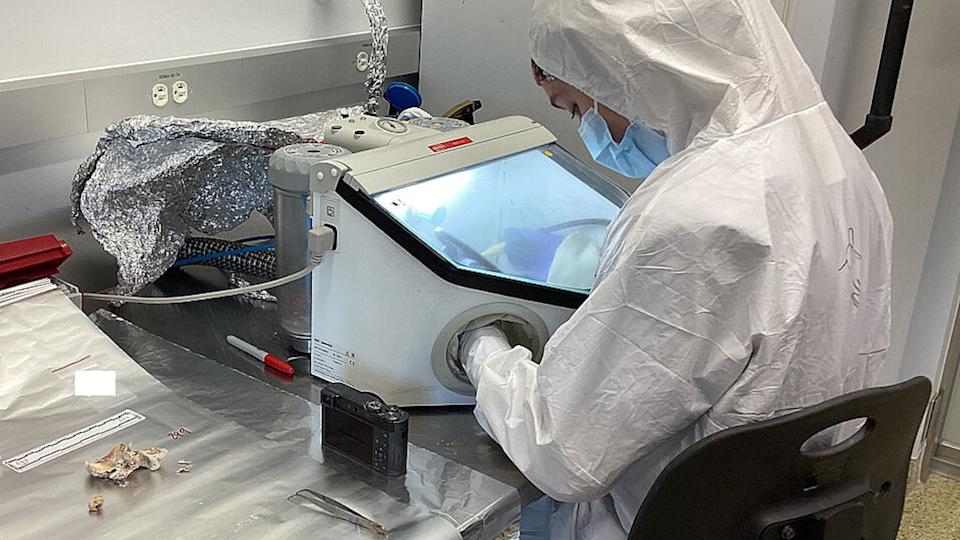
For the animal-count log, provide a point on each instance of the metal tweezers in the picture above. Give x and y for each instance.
(338, 510)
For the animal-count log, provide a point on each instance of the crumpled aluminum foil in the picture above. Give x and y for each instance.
(151, 180)
(377, 72)
(256, 296)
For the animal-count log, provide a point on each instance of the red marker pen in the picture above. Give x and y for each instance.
(270, 360)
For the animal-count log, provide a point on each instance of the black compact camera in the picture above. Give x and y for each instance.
(362, 427)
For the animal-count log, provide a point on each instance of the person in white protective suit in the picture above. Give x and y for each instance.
(746, 278)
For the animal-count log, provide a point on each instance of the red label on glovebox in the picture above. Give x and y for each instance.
(447, 145)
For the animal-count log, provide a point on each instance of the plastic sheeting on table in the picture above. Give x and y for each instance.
(251, 447)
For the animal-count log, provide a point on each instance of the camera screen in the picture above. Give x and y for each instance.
(348, 434)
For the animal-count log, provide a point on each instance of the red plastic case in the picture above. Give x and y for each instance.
(29, 259)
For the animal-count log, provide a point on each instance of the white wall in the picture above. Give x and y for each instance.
(937, 296)
(54, 36)
(811, 24)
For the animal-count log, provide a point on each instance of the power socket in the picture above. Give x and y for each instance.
(160, 95)
(363, 61)
(181, 92)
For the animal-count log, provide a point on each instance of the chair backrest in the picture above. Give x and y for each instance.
(760, 481)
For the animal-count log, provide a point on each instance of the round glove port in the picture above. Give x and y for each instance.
(522, 327)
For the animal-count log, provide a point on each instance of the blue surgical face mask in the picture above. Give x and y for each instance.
(637, 155)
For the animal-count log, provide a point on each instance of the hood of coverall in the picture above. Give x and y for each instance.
(694, 69)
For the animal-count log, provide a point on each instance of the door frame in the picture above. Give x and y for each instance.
(932, 434)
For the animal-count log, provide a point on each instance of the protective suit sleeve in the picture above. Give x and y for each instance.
(481, 343)
(659, 340)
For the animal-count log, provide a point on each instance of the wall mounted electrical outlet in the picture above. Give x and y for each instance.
(181, 92)
(160, 95)
(363, 61)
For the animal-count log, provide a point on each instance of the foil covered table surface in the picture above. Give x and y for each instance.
(251, 447)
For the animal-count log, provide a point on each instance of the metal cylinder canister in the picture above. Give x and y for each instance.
(289, 175)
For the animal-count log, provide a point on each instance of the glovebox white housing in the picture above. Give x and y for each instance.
(449, 231)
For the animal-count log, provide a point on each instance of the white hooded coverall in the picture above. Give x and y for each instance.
(748, 277)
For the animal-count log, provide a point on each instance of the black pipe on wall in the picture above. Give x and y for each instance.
(880, 119)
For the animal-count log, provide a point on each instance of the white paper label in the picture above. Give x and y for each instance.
(91, 382)
(331, 362)
(68, 443)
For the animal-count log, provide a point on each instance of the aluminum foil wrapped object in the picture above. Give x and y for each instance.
(377, 72)
(151, 181)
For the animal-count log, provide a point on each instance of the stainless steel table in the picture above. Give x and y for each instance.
(256, 449)
(202, 327)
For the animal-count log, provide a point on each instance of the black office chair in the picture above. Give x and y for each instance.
(754, 482)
